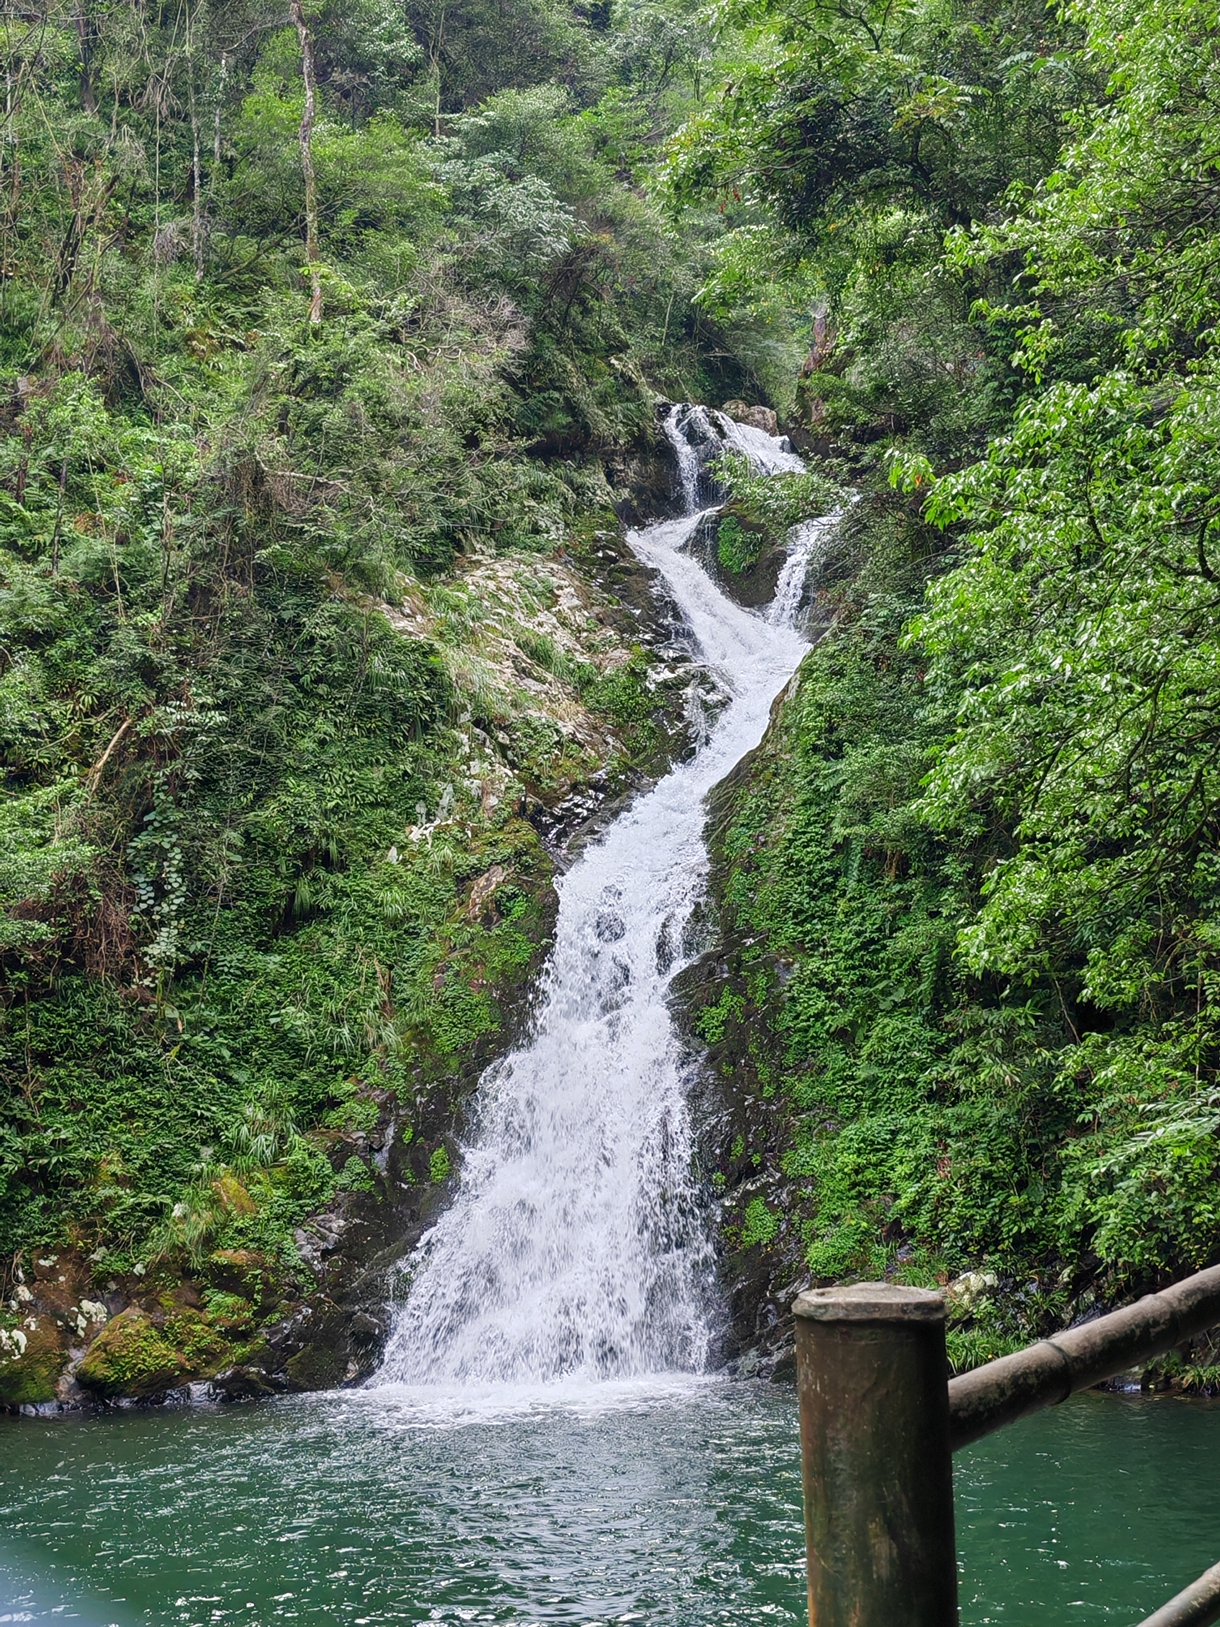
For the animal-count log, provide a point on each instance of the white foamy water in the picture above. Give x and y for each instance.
(576, 1248)
(699, 435)
(804, 542)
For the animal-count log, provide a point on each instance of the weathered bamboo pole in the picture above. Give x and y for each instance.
(870, 1363)
(1196, 1606)
(1050, 1371)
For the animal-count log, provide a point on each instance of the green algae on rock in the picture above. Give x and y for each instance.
(131, 1356)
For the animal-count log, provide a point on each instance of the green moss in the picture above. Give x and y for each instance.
(239, 1271)
(29, 1379)
(759, 1225)
(355, 1113)
(355, 1177)
(231, 1314)
(623, 696)
(713, 1020)
(200, 1342)
(438, 1166)
(132, 1356)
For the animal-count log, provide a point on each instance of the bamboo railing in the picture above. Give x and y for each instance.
(879, 1426)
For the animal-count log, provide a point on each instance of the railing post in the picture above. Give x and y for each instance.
(872, 1383)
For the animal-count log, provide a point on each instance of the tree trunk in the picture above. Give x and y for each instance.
(220, 96)
(306, 140)
(88, 93)
(197, 221)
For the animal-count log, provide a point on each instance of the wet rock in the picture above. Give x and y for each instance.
(132, 1357)
(325, 1355)
(365, 1327)
(754, 584)
(743, 1129)
(764, 418)
(783, 1364)
(609, 927)
(749, 1363)
(319, 1238)
(69, 1394)
(241, 1384)
(239, 1271)
(643, 478)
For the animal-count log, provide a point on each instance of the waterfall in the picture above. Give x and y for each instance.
(576, 1244)
(699, 435)
(804, 542)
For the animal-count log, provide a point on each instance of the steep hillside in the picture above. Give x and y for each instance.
(332, 341)
(331, 352)
(963, 1016)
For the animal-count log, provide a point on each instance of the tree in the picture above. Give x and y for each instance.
(305, 137)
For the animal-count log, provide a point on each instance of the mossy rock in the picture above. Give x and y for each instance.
(201, 1344)
(322, 1363)
(230, 1314)
(240, 1271)
(233, 1197)
(25, 1380)
(131, 1356)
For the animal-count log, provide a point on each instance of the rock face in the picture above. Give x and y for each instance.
(131, 1356)
(742, 1132)
(643, 479)
(751, 583)
(757, 417)
(236, 1324)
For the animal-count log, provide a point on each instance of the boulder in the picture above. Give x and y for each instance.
(750, 581)
(764, 418)
(241, 1384)
(241, 1271)
(31, 1362)
(324, 1359)
(131, 1356)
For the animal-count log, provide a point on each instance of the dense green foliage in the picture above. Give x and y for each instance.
(972, 877)
(242, 809)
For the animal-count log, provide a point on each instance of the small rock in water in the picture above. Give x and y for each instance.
(609, 927)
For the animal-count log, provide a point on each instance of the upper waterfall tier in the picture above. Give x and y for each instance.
(700, 435)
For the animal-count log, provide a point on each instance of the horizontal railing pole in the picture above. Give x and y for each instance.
(1196, 1606)
(1048, 1372)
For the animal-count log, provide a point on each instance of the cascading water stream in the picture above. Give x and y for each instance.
(576, 1245)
